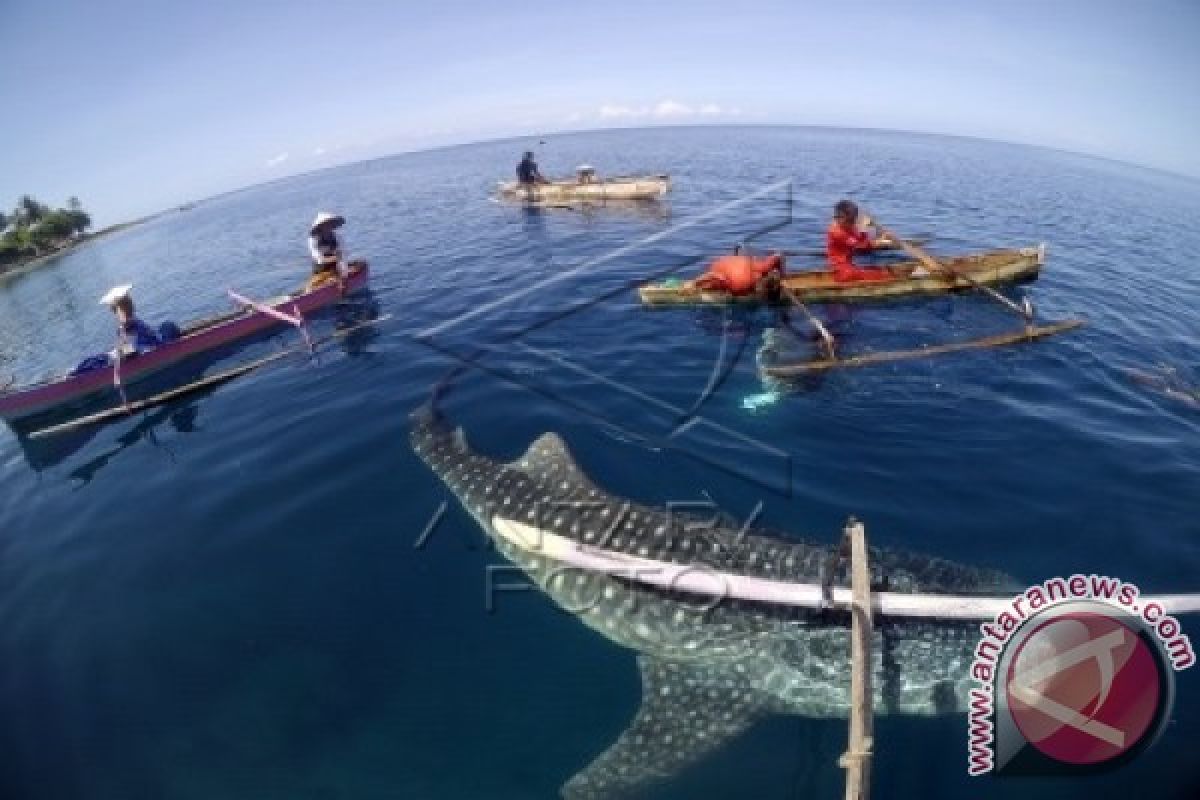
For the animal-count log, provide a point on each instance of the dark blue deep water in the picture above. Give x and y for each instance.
(223, 598)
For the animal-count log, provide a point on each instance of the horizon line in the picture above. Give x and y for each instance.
(1162, 171)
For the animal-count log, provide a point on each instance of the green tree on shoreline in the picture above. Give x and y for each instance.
(34, 229)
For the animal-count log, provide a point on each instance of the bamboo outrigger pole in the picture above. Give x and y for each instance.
(857, 758)
(826, 336)
(128, 408)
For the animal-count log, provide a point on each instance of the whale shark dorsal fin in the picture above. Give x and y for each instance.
(687, 711)
(549, 458)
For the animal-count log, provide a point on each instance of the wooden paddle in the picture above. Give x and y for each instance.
(826, 336)
(935, 266)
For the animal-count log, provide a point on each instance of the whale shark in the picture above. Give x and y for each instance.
(709, 669)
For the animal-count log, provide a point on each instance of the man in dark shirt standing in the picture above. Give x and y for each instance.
(527, 171)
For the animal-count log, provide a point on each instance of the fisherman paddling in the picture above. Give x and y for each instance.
(845, 238)
(326, 251)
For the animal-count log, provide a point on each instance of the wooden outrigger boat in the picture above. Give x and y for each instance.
(993, 268)
(965, 272)
(587, 188)
(21, 404)
(924, 275)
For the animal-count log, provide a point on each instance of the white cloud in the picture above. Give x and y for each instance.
(663, 109)
(319, 151)
(671, 108)
(275, 161)
(610, 111)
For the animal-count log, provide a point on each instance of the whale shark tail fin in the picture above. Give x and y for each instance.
(687, 711)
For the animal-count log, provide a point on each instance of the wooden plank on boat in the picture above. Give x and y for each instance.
(1027, 334)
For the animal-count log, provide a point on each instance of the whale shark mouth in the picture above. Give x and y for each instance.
(705, 581)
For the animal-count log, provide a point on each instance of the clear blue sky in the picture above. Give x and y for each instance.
(138, 106)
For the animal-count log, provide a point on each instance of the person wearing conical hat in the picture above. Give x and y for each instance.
(135, 335)
(326, 250)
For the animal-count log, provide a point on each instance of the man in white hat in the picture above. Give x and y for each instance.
(136, 336)
(326, 250)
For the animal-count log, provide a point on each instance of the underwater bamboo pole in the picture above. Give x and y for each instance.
(857, 758)
(826, 336)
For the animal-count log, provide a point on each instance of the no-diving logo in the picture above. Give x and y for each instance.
(1072, 683)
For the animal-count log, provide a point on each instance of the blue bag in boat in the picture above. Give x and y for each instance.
(92, 363)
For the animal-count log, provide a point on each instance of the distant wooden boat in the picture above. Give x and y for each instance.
(996, 267)
(588, 189)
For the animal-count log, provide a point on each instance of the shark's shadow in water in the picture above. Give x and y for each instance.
(708, 670)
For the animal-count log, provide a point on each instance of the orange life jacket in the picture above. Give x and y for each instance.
(740, 274)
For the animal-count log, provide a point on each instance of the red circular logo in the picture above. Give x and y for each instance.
(1084, 688)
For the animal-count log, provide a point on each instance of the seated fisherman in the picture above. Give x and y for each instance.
(135, 335)
(844, 239)
(741, 274)
(325, 249)
(527, 171)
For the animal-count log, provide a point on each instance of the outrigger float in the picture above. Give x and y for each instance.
(23, 405)
(923, 275)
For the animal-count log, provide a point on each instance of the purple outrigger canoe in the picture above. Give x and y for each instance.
(198, 338)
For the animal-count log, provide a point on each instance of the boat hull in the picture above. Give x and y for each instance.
(995, 267)
(201, 338)
(631, 188)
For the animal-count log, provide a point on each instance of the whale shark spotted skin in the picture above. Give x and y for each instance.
(708, 670)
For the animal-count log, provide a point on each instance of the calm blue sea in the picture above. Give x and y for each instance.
(225, 598)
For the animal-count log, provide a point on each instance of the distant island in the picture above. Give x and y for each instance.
(34, 230)
(34, 233)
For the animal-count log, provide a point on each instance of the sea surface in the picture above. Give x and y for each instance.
(257, 594)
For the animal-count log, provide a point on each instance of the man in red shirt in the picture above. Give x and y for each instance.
(843, 240)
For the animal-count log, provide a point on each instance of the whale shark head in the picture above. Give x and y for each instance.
(708, 669)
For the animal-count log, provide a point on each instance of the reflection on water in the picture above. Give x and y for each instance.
(180, 416)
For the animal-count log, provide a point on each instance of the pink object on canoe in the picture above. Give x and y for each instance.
(25, 401)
